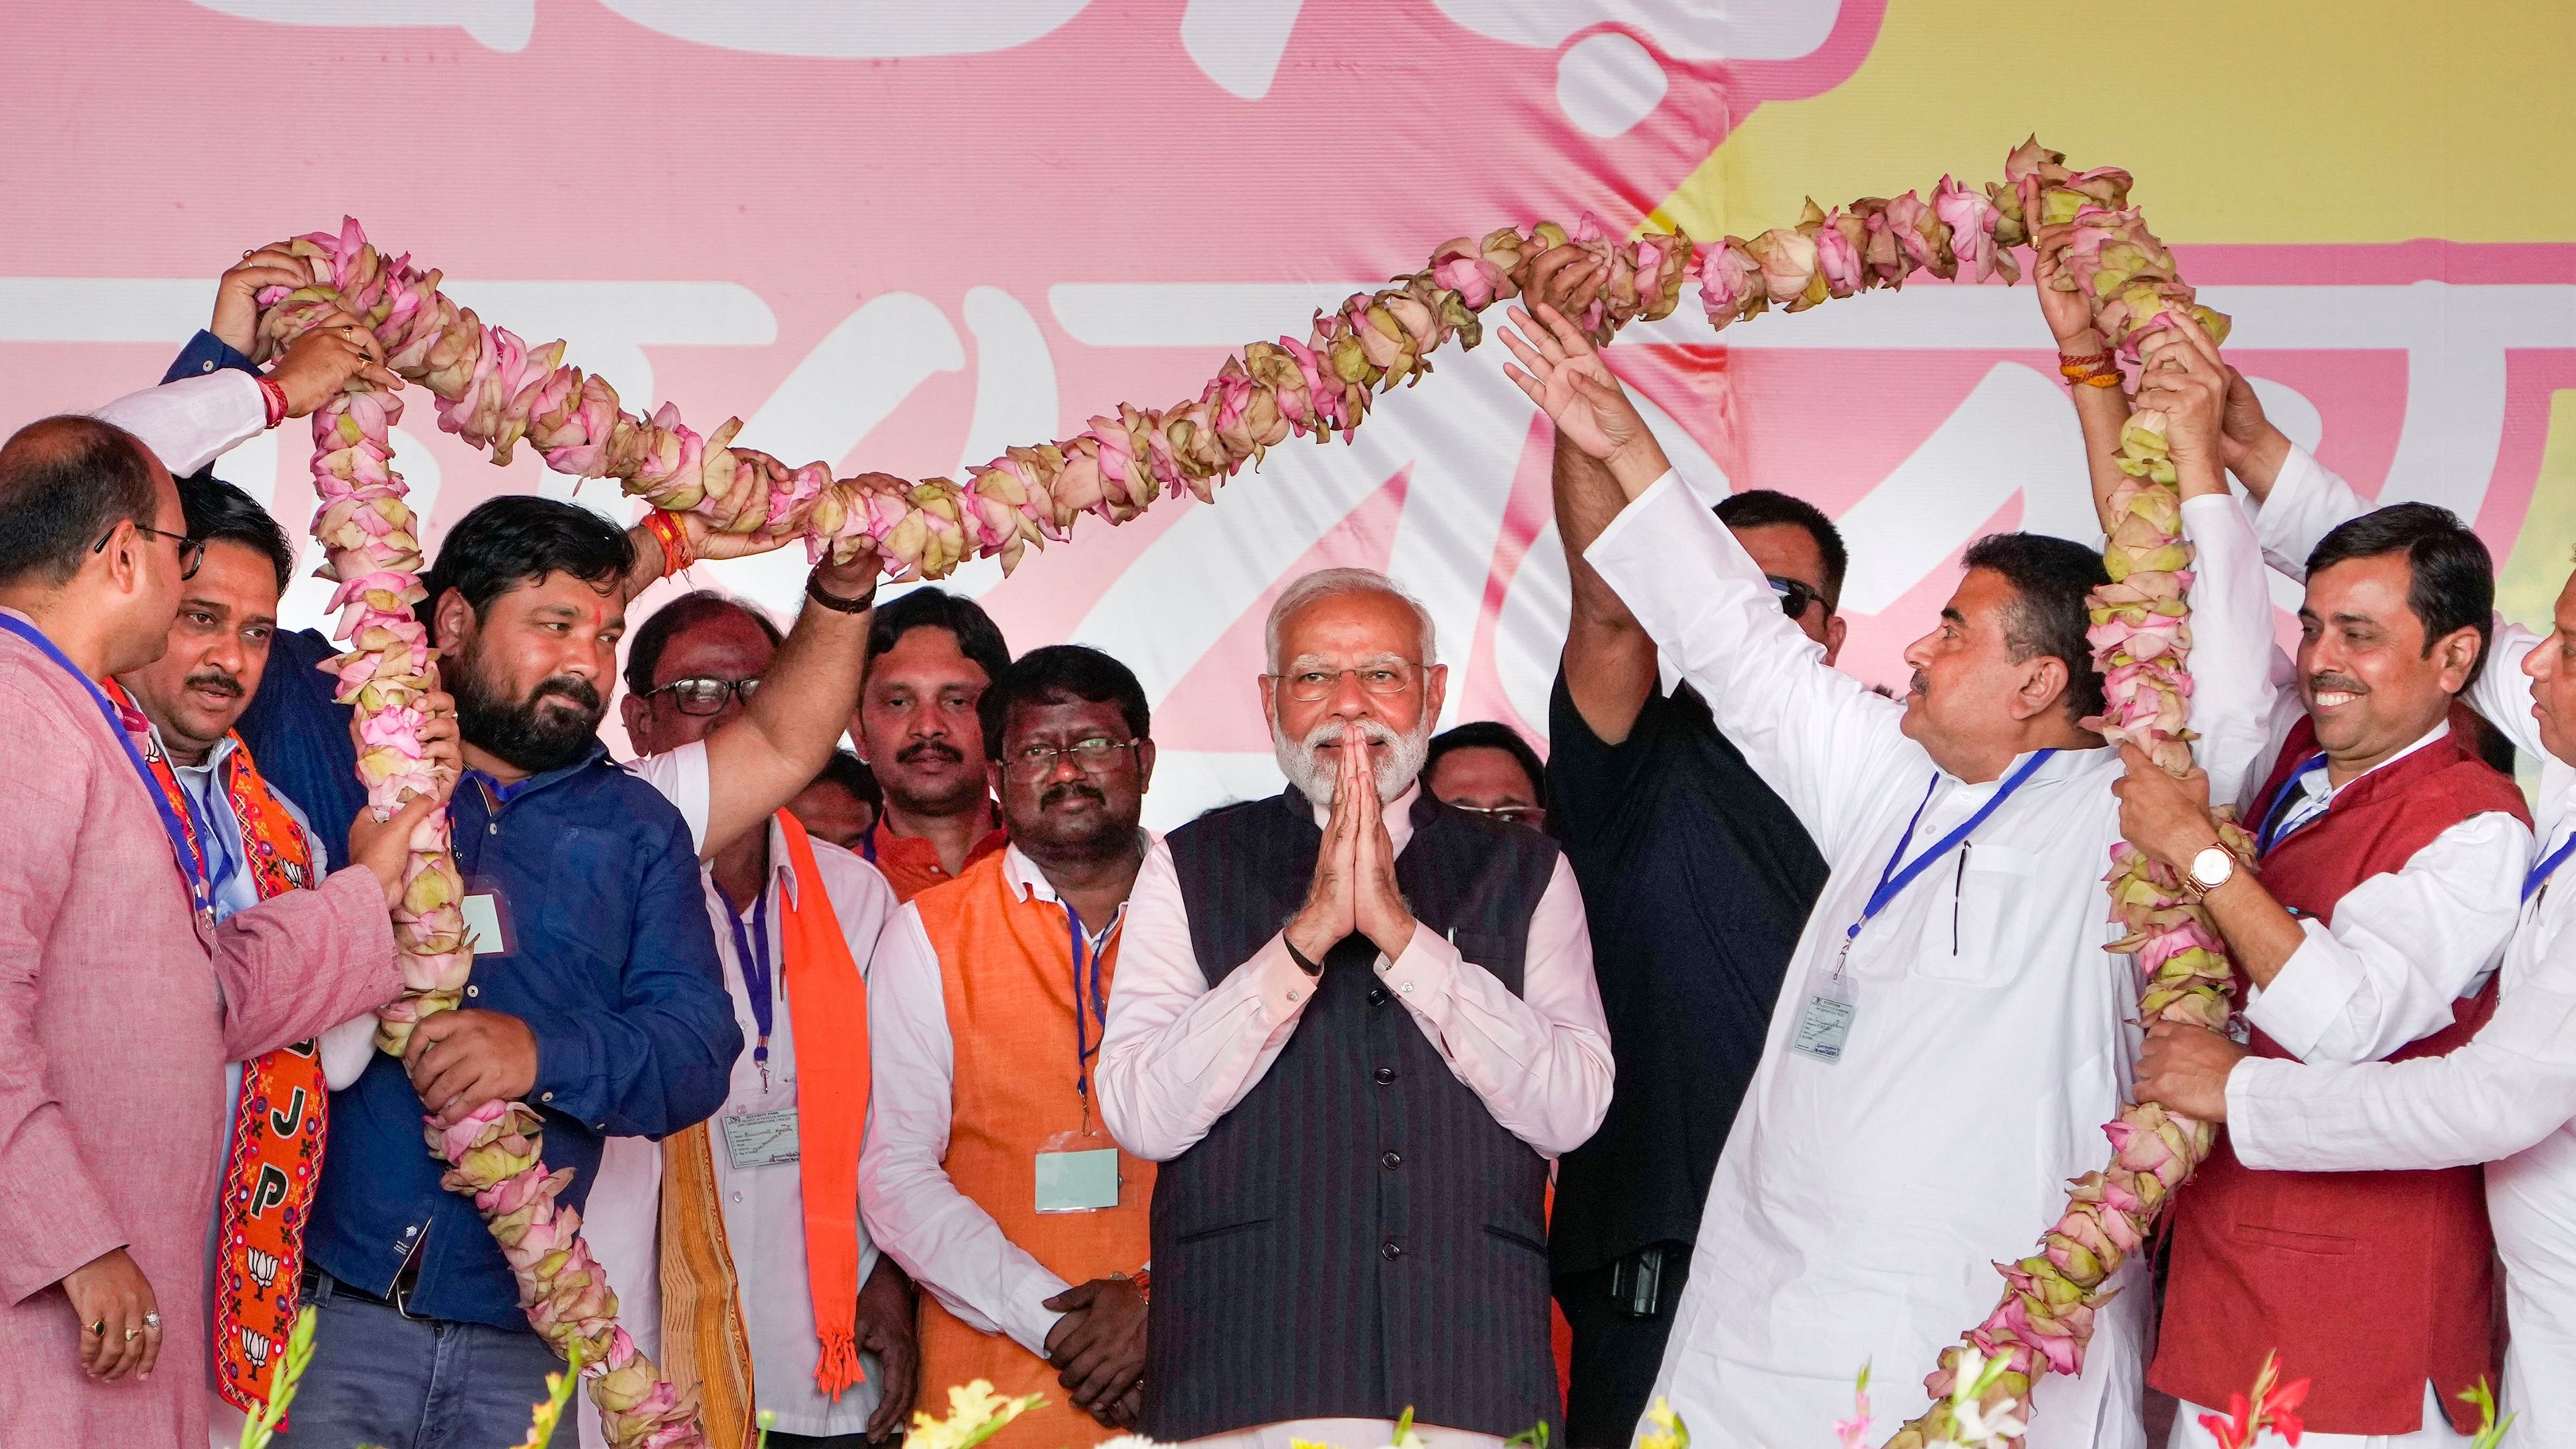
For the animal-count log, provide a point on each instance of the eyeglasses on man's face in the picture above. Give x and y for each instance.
(1093, 756)
(704, 694)
(192, 551)
(1795, 595)
(1508, 814)
(1311, 686)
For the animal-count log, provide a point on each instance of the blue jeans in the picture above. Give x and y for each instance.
(381, 1378)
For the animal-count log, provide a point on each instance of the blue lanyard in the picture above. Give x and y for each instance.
(1893, 881)
(215, 847)
(2272, 818)
(2539, 877)
(752, 951)
(180, 845)
(1089, 1001)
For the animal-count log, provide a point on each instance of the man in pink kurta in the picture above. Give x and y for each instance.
(118, 1008)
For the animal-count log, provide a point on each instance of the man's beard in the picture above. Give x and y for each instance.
(528, 733)
(1315, 776)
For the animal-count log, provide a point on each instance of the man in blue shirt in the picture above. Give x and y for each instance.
(596, 996)
(294, 727)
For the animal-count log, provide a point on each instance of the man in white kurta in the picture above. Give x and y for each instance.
(2507, 1097)
(728, 764)
(1917, 1119)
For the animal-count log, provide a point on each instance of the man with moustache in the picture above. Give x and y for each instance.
(595, 995)
(294, 724)
(257, 844)
(1951, 1036)
(1355, 1112)
(930, 656)
(2385, 890)
(121, 994)
(986, 1172)
(2508, 1097)
(740, 1238)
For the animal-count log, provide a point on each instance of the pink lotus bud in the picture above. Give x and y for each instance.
(1971, 218)
(1730, 282)
(1788, 261)
(1839, 260)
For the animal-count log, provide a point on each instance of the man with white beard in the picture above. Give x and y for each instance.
(1354, 1113)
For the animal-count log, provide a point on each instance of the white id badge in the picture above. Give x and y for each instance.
(761, 1139)
(1825, 1019)
(1077, 1173)
(483, 927)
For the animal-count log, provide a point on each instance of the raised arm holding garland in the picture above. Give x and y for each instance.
(495, 392)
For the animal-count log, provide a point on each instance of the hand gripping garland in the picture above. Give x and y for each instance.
(495, 391)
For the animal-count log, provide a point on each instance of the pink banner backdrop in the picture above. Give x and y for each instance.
(903, 234)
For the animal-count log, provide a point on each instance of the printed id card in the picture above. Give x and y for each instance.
(487, 923)
(1825, 1021)
(1077, 1173)
(761, 1139)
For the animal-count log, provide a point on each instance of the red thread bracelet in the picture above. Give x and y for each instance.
(666, 531)
(273, 393)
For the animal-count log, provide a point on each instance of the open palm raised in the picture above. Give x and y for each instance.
(1564, 375)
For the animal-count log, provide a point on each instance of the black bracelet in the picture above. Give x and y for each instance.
(814, 590)
(1309, 967)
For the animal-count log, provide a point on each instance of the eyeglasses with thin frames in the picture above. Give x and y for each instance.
(192, 551)
(1508, 814)
(1094, 756)
(704, 694)
(1309, 686)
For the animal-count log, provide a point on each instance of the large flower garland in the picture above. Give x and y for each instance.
(495, 391)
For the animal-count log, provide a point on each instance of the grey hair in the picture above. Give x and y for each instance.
(1333, 583)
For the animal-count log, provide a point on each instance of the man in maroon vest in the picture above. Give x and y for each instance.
(2384, 890)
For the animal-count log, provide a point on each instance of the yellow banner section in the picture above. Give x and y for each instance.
(2258, 121)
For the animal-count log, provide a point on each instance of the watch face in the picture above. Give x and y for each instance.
(2212, 867)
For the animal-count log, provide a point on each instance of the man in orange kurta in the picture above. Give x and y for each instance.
(987, 1173)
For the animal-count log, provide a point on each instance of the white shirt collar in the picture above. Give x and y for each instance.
(2313, 779)
(2064, 761)
(1030, 883)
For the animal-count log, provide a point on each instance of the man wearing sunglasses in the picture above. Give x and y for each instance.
(988, 1172)
(1485, 768)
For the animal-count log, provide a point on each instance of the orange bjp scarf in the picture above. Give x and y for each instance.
(274, 1162)
(705, 1346)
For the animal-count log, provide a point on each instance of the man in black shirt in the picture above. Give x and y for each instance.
(1697, 880)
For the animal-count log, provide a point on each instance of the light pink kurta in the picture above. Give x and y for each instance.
(117, 1015)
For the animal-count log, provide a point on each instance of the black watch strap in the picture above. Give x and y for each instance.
(1309, 967)
(814, 590)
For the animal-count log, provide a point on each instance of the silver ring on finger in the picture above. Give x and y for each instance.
(152, 1319)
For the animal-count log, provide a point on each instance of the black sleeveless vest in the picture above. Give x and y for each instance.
(1358, 1236)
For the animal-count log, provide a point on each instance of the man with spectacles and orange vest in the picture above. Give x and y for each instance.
(988, 1170)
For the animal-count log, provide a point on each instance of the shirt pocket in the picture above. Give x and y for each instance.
(588, 910)
(1984, 934)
